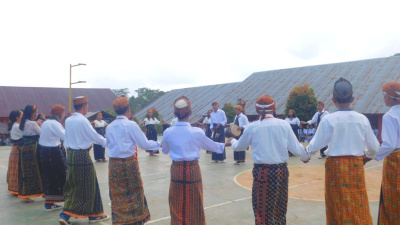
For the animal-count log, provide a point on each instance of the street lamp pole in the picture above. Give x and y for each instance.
(70, 82)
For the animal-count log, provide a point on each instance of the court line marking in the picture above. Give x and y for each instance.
(2, 166)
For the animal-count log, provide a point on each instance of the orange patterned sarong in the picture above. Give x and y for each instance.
(346, 199)
(389, 204)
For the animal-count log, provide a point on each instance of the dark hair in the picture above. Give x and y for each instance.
(121, 111)
(79, 107)
(28, 112)
(148, 117)
(294, 114)
(182, 117)
(13, 118)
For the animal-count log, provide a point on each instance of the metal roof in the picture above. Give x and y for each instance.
(12, 98)
(366, 77)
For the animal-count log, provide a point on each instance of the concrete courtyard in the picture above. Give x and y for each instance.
(227, 198)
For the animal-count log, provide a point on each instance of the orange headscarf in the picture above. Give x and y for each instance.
(392, 89)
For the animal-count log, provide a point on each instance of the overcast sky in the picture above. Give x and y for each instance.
(173, 44)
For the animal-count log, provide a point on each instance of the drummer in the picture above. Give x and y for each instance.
(241, 122)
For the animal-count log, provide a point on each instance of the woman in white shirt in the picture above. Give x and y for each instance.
(100, 126)
(293, 121)
(31, 185)
(13, 162)
(151, 133)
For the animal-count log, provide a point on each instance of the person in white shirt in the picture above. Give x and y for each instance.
(81, 190)
(52, 156)
(241, 121)
(350, 137)
(128, 202)
(389, 152)
(217, 126)
(15, 118)
(31, 185)
(151, 133)
(183, 143)
(206, 123)
(270, 139)
(321, 113)
(100, 126)
(293, 121)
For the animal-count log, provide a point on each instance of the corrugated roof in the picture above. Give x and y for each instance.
(12, 98)
(366, 77)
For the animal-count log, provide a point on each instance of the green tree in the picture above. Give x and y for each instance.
(112, 112)
(303, 101)
(119, 92)
(229, 110)
(145, 96)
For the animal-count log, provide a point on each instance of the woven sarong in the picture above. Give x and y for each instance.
(13, 167)
(53, 173)
(221, 139)
(81, 190)
(31, 183)
(346, 199)
(186, 193)
(98, 150)
(270, 193)
(128, 203)
(151, 134)
(239, 156)
(389, 204)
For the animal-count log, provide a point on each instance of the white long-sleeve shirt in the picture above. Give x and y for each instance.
(314, 120)
(346, 133)
(15, 132)
(390, 132)
(151, 121)
(174, 121)
(183, 142)
(218, 117)
(242, 119)
(270, 140)
(31, 128)
(122, 137)
(99, 123)
(52, 133)
(79, 133)
(294, 121)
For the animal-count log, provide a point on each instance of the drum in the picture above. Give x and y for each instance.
(232, 131)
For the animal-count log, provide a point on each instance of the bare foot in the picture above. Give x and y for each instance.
(27, 200)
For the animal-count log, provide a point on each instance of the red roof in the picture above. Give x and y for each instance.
(12, 98)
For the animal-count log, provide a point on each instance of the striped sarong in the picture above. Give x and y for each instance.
(389, 204)
(13, 167)
(81, 190)
(53, 173)
(270, 193)
(186, 193)
(31, 182)
(346, 199)
(128, 203)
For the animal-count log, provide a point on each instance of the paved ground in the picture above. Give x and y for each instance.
(225, 201)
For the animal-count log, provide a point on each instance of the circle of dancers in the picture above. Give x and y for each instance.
(39, 165)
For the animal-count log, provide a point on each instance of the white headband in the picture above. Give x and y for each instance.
(397, 92)
(265, 106)
(181, 104)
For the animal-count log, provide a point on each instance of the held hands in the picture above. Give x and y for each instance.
(309, 156)
(366, 159)
(303, 122)
(228, 142)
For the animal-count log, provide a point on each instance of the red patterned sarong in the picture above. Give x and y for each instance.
(389, 204)
(13, 166)
(186, 193)
(346, 199)
(128, 203)
(270, 193)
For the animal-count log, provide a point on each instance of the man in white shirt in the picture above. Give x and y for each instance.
(52, 155)
(350, 137)
(270, 140)
(241, 121)
(81, 190)
(389, 151)
(217, 125)
(183, 143)
(316, 120)
(128, 202)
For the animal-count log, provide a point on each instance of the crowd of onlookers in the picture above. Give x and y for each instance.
(4, 140)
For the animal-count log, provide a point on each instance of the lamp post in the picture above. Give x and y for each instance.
(70, 82)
